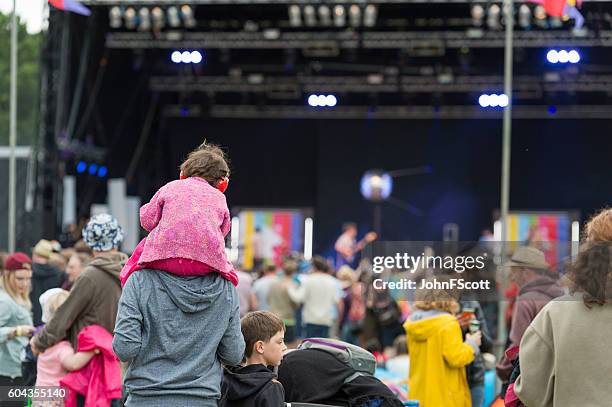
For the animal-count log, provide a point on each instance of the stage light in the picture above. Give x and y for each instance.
(493, 100)
(130, 18)
(102, 171)
(574, 56)
(295, 16)
(157, 15)
(524, 16)
(478, 13)
(376, 185)
(483, 100)
(81, 167)
(552, 56)
(114, 17)
(322, 100)
(355, 15)
(339, 16)
(552, 110)
(369, 16)
(331, 100)
(310, 18)
(173, 17)
(188, 16)
(196, 57)
(563, 57)
(145, 19)
(176, 57)
(493, 17)
(93, 168)
(325, 15)
(186, 57)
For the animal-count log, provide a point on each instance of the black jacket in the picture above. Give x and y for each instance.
(251, 386)
(44, 277)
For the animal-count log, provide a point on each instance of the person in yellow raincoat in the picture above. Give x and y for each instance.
(438, 354)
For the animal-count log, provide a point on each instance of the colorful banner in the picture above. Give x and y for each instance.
(267, 235)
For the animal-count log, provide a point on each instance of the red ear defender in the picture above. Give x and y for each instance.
(182, 176)
(222, 184)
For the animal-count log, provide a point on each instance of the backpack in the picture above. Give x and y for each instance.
(356, 358)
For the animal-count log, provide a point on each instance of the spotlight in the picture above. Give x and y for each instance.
(493, 100)
(322, 100)
(524, 16)
(540, 17)
(376, 185)
(574, 56)
(188, 17)
(355, 15)
(93, 168)
(173, 17)
(309, 16)
(369, 16)
(81, 167)
(552, 56)
(196, 57)
(176, 57)
(339, 16)
(295, 18)
(563, 57)
(478, 13)
(157, 15)
(130, 18)
(552, 110)
(324, 15)
(145, 19)
(102, 171)
(186, 57)
(493, 17)
(114, 17)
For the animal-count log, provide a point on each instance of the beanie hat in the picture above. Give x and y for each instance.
(16, 261)
(103, 233)
(43, 248)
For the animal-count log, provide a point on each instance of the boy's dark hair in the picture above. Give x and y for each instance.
(319, 263)
(207, 161)
(259, 326)
(290, 267)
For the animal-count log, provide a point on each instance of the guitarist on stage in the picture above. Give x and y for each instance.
(347, 246)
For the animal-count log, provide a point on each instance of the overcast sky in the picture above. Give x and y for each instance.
(29, 10)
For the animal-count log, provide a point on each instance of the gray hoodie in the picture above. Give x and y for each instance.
(175, 332)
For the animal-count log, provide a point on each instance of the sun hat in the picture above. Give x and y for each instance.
(103, 233)
(528, 257)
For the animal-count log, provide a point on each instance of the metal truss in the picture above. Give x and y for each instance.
(532, 86)
(275, 39)
(407, 112)
(248, 2)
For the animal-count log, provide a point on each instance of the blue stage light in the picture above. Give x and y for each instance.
(81, 167)
(102, 171)
(93, 168)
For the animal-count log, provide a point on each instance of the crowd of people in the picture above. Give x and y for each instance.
(178, 324)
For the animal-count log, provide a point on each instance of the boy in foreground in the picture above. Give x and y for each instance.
(254, 384)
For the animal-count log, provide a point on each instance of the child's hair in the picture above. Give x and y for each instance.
(207, 161)
(319, 263)
(53, 303)
(290, 267)
(435, 298)
(259, 326)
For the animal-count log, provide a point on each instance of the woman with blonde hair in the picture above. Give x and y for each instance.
(15, 317)
(565, 353)
(438, 354)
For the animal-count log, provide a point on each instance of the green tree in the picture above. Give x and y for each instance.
(27, 82)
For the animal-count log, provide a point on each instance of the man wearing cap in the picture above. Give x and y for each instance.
(44, 276)
(94, 298)
(529, 270)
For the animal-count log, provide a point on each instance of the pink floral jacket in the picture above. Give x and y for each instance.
(188, 219)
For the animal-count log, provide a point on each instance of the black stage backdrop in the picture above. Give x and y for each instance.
(556, 165)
